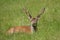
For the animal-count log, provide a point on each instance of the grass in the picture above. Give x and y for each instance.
(11, 14)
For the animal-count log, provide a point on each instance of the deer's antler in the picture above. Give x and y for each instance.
(27, 13)
(40, 13)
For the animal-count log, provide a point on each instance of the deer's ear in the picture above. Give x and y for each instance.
(40, 13)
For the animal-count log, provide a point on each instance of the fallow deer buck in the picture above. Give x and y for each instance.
(27, 29)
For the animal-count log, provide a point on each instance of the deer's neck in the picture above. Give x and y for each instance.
(34, 27)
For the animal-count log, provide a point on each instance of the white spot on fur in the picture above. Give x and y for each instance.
(32, 29)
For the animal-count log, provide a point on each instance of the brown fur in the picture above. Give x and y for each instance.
(16, 29)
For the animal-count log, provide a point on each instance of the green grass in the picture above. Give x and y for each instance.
(11, 14)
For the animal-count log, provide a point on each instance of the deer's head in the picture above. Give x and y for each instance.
(34, 20)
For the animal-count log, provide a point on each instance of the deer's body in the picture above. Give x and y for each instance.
(26, 29)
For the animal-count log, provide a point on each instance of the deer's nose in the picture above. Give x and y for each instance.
(33, 22)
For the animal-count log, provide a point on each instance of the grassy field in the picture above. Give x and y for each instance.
(11, 14)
